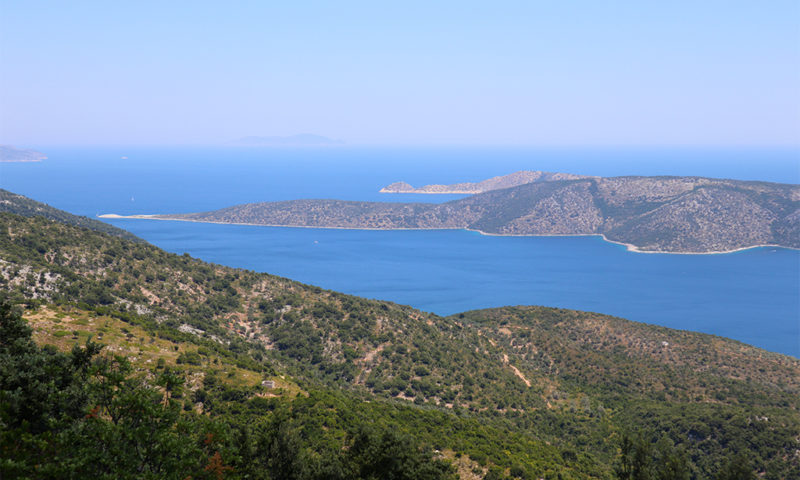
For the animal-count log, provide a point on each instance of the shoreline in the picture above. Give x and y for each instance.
(629, 246)
(157, 217)
(447, 192)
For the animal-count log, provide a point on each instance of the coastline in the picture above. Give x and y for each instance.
(157, 217)
(629, 246)
(444, 192)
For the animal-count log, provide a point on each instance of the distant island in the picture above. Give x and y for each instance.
(494, 183)
(647, 214)
(300, 140)
(13, 154)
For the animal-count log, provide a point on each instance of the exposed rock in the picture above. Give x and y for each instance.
(398, 187)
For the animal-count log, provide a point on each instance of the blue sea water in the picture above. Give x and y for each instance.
(752, 296)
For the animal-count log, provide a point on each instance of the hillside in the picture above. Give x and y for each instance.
(531, 392)
(21, 205)
(494, 183)
(649, 214)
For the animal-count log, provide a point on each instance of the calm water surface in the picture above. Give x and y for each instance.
(752, 296)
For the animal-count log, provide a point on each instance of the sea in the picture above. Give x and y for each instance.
(752, 296)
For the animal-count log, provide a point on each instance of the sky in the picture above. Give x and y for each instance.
(532, 73)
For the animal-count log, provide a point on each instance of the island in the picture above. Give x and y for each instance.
(646, 214)
(13, 154)
(494, 183)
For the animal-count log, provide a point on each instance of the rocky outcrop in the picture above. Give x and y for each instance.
(398, 187)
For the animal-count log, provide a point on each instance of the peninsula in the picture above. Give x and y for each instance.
(648, 214)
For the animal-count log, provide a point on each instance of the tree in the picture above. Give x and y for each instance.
(737, 468)
(41, 392)
(391, 455)
(81, 415)
(640, 460)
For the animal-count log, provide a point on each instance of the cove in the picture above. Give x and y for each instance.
(749, 295)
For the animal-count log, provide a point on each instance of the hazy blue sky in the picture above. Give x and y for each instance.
(491, 72)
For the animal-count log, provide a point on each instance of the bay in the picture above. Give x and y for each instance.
(752, 296)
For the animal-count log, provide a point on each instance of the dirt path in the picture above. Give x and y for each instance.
(516, 371)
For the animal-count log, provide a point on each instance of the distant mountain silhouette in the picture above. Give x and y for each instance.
(13, 154)
(299, 140)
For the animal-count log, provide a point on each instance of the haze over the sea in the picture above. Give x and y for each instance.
(413, 73)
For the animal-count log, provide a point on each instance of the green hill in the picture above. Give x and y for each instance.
(24, 206)
(531, 392)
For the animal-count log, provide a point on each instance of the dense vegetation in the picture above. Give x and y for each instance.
(88, 415)
(527, 392)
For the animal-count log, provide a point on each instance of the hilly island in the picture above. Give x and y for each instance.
(120, 360)
(648, 214)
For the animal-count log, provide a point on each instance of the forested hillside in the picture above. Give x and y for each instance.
(21, 205)
(358, 386)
